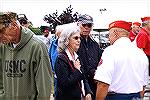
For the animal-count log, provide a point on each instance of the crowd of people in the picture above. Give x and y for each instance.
(71, 65)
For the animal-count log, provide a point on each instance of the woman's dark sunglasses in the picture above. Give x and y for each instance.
(89, 25)
(76, 37)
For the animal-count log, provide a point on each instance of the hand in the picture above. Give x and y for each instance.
(142, 94)
(77, 64)
(88, 97)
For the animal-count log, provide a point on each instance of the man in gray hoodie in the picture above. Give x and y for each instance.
(26, 72)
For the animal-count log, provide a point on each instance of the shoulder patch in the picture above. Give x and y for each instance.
(100, 62)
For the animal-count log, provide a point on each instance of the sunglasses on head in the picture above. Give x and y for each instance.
(89, 25)
(76, 37)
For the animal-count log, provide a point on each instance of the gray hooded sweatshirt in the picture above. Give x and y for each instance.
(26, 69)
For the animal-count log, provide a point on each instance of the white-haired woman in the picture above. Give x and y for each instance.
(71, 83)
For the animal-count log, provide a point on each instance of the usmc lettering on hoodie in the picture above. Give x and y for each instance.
(15, 68)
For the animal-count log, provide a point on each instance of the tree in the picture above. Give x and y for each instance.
(64, 18)
(36, 30)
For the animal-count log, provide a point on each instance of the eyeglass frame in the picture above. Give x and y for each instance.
(89, 25)
(76, 37)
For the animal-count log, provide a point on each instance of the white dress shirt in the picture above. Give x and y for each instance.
(124, 67)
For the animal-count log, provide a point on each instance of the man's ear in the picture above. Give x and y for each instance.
(117, 34)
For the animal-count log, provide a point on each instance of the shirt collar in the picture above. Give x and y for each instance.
(69, 55)
(122, 41)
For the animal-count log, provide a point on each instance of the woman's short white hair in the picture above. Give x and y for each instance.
(67, 32)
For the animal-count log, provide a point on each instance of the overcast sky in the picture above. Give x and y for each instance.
(129, 10)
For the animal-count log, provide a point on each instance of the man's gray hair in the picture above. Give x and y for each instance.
(59, 28)
(67, 32)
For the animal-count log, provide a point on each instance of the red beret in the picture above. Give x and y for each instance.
(137, 24)
(145, 19)
(121, 24)
(46, 31)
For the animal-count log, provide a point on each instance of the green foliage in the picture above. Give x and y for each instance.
(36, 31)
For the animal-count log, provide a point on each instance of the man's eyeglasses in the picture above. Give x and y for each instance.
(89, 25)
(76, 37)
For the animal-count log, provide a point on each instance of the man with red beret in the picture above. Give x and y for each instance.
(123, 71)
(143, 38)
(134, 31)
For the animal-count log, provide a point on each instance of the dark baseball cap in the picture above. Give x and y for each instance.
(85, 19)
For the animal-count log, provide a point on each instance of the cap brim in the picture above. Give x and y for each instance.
(86, 22)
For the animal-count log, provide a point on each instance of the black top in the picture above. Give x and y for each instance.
(69, 79)
(89, 54)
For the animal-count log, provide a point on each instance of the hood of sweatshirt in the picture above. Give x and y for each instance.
(26, 35)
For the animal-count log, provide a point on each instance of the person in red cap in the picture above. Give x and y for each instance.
(45, 37)
(143, 37)
(134, 31)
(123, 71)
